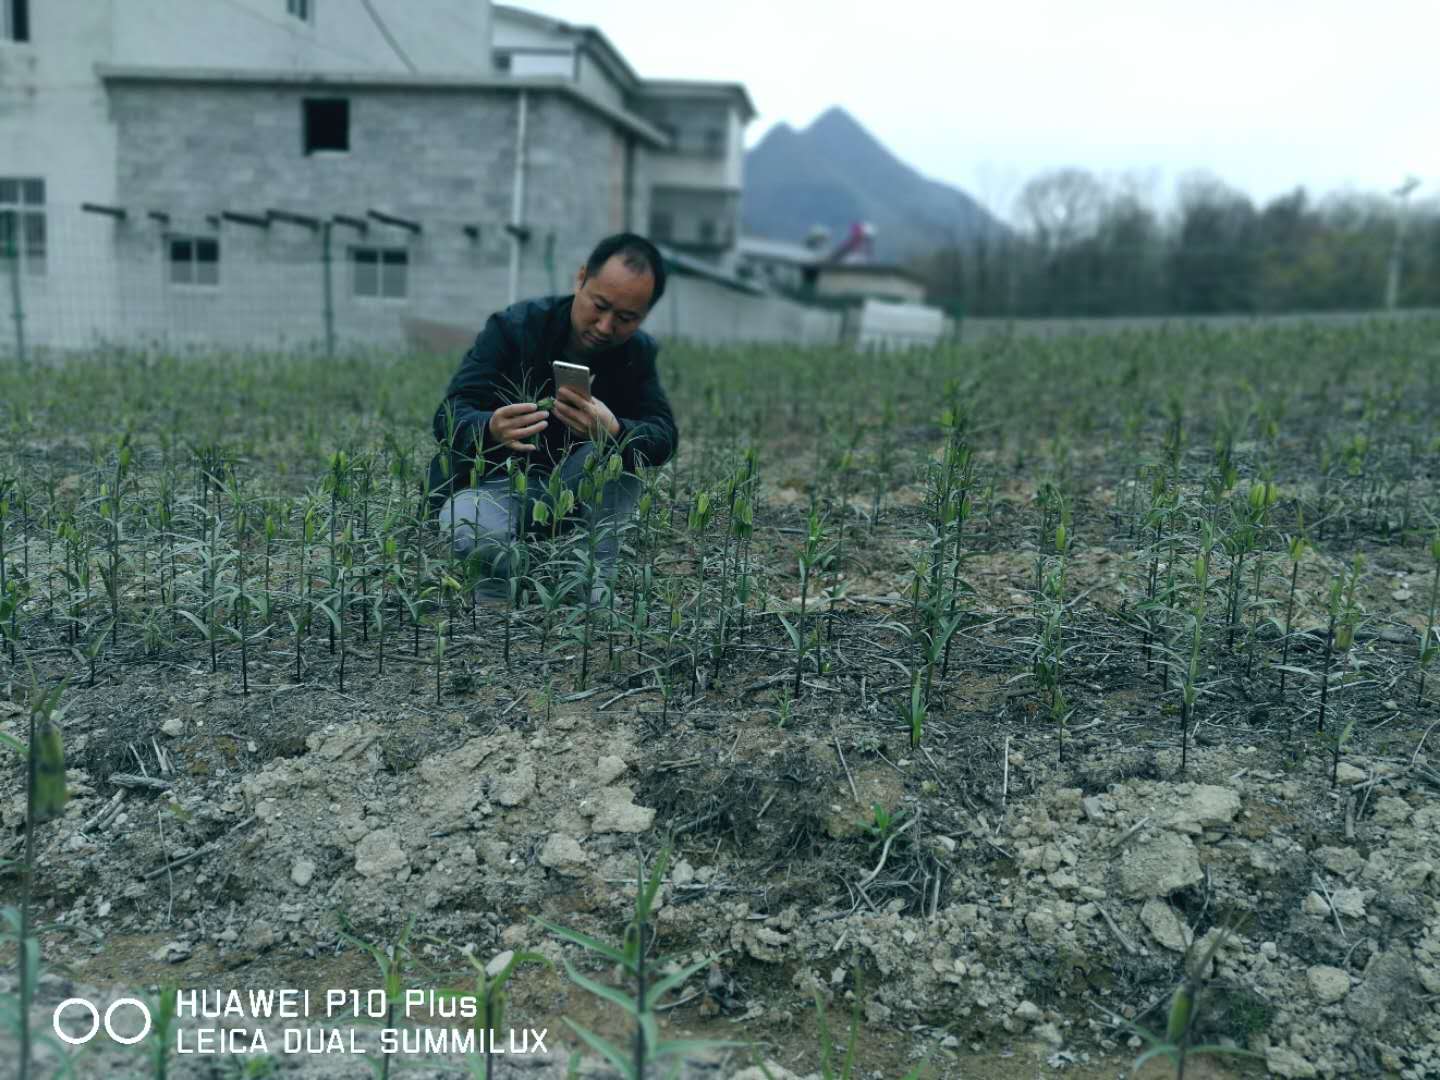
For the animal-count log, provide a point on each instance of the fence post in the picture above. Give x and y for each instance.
(674, 306)
(329, 289)
(17, 301)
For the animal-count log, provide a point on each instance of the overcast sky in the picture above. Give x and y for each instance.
(1335, 95)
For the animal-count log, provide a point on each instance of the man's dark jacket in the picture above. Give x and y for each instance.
(510, 362)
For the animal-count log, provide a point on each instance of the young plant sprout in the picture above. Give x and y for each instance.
(1344, 616)
(1430, 643)
(1295, 547)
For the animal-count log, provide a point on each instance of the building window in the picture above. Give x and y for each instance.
(661, 225)
(301, 9)
(22, 222)
(707, 231)
(714, 142)
(195, 260)
(501, 61)
(327, 124)
(382, 273)
(14, 20)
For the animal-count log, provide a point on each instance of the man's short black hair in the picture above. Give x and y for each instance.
(637, 253)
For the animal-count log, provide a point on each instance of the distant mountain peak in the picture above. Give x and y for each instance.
(835, 118)
(835, 173)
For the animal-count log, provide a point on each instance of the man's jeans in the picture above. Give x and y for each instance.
(484, 519)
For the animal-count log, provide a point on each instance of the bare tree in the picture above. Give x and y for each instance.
(1062, 208)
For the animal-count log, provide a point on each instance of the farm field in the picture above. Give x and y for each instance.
(988, 694)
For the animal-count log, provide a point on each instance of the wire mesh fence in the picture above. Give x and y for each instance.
(88, 277)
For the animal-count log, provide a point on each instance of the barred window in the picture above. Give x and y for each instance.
(22, 222)
(380, 273)
(195, 260)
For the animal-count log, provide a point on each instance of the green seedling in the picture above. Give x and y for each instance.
(883, 824)
(647, 1048)
(913, 714)
(1335, 742)
(253, 1067)
(162, 1033)
(15, 1008)
(698, 522)
(490, 998)
(45, 797)
(827, 1042)
(392, 962)
(1430, 643)
(814, 555)
(1344, 618)
(1295, 548)
(1186, 1004)
(786, 710)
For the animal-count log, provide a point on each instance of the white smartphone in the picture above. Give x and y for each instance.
(575, 376)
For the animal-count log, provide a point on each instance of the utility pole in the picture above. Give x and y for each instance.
(327, 264)
(517, 230)
(1392, 279)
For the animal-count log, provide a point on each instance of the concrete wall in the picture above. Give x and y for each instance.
(543, 65)
(453, 37)
(568, 187)
(444, 158)
(642, 183)
(689, 209)
(698, 310)
(596, 79)
(693, 171)
(690, 164)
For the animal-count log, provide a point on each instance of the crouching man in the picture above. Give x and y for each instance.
(492, 409)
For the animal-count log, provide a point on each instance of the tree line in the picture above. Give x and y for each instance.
(1085, 247)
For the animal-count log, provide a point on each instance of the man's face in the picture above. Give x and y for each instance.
(609, 307)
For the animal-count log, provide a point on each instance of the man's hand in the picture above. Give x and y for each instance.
(510, 424)
(586, 416)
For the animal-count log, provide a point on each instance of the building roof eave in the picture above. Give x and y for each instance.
(882, 269)
(610, 54)
(699, 87)
(692, 267)
(767, 250)
(582, 33)
(364, 80)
